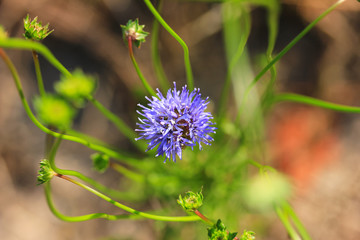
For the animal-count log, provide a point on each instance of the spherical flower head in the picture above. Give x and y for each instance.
(76, 88)
(175, 121)
(34, 30)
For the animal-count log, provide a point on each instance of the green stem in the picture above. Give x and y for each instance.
(127, 173)
(63, 217)
(34, 46)
(131, 210)
(314, 102)
(203, 218)
(189, 74)
(300, 227)
(138, 71)
(285, 221)
(119, 123)
(282, 53)
(159, 70)
(38, 74)
(115, 154)
(100, 187)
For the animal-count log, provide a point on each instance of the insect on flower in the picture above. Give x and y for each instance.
(175, 121)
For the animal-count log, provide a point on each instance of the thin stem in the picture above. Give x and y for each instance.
(34, 46)
(49, 200)
(115, 154)
(138, 71)
(131, 210)
(203, 218)
(285, 221)
(314, 102)
(188, 70)
(282, 53)
(38, 73)
(159, 70)
(302, 230)
(100, 187)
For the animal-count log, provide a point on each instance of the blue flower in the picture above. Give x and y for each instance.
(175, 121)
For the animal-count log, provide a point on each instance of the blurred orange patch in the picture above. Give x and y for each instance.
(302, 141)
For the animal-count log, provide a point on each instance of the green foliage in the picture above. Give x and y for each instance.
(134, 31)
(100, 162)
(222, 168)
(191, 201)
(45, 173)
(54, 111)
(219, 232)
(76, 88)
(34, 30)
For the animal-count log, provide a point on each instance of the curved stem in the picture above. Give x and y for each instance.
(282, 53)
(38, 74)
(35, 46)
(159, 70)
(131, 210)
(314, 102)
(115, 154)
(138, 71)
(81, 218)
(100, 187)
(189, 74)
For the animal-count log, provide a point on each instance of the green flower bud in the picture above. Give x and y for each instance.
(248, 235)
(135, 31)
(54, 111)
(34, 30)
(191, 201)
(45, 173)
(76, 88)
(3, 33)
(100, 161)
(218, 232)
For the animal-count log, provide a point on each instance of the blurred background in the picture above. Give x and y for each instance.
(318, 149)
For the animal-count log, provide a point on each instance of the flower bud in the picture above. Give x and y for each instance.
(34, 30)
(45, 173)
(76, 88)
(248, 235)
(100, 162)
(135, 31)
(191, 201)
(54, 111)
